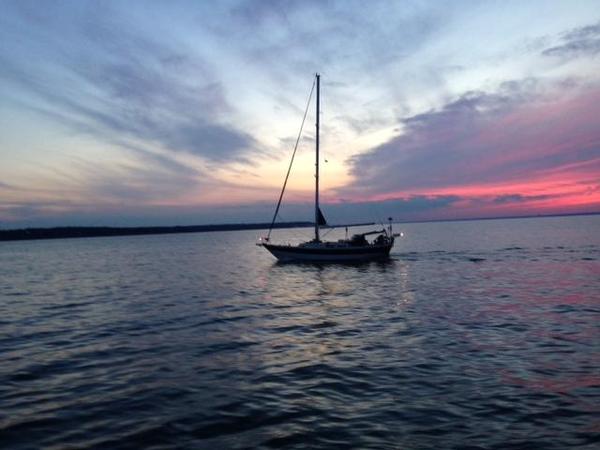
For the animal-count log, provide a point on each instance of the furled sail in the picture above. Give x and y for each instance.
(321, 218)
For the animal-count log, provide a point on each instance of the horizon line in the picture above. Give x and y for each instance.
(299, 222)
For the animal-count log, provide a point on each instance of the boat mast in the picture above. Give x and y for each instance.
(317, 164)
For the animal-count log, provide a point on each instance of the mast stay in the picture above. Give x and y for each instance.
(293, 155)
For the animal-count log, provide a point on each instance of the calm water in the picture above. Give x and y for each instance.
(475, 335)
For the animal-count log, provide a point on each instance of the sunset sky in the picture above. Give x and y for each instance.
(186, 112)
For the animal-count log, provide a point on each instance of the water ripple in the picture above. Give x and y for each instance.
(124, 343)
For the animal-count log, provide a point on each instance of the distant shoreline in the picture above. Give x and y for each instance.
(25, 234)
(528, 216)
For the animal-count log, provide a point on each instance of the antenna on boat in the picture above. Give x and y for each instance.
(317, 216)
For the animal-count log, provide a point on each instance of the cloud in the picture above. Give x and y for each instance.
(582, 41)
(115, 82)
(290, 39)
(176, 91)
(523, 133)
(410, 207)
(518, 198)
(143, 177)
(127, 184)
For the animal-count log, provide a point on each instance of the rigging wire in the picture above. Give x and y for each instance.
(299, 235)
(375, 212)
(328, 231)
(292, 160)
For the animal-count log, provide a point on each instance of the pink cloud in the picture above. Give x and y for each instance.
(505, 153)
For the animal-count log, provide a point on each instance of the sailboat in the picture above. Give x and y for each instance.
(353, 249)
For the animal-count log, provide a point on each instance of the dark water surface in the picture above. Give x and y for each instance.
(474, 335)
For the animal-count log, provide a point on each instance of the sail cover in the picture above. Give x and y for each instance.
(321, 218)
